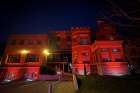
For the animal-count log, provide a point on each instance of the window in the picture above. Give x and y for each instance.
(68, 43)
(106, 59)
(85, 54)
(84, 41)
(13, 42)
(45, 42)
(21, 42)
(115, 50)
(68, 38)
(104, 49)
(39, 42)
(119, 60)
(32, 58)
(30, 42)
(55, 58)
(96, 58)
(86, 58)
(14, 58)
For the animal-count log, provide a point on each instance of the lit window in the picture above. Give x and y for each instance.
(106, 59)
(39, 42)
(32, 58)
(85, 54)
(104, 49)
(14, 58)
(115, 50)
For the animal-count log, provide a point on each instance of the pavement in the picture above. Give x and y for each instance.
(63, 86)
(26, 87)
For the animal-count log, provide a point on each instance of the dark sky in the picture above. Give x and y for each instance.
(40, 16)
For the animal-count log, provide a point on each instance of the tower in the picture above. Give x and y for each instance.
(81, 50)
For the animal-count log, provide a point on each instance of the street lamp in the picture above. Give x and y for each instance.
(46, 52)
(24, 51)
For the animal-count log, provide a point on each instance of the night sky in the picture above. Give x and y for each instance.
(34, 16)
(41, 16)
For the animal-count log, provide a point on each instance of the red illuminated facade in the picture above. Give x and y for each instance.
(81, 50)
(104, 55)
(109, 57)
(24, 56)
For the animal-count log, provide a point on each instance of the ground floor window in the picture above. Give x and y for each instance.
(32, 58)
(14, 58)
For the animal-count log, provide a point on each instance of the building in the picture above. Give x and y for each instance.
(109, 58)
(81, 49)
(24, 54)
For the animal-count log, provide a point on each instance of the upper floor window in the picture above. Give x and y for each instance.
(68, 38)
(13, 42)
(45, 42)
(106, 59)
(21, 42)
(115, 50)
(39, 42)
(104, 49)
(85, 53)
(84, 41)
(30, 42)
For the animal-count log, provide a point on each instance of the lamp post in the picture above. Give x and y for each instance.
(46, 53)
(24, 52)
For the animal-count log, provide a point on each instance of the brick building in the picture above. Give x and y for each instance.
(24, 53)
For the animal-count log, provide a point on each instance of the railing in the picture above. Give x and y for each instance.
(75, 82)
(50, 88)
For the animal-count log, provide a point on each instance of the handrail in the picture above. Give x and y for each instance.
(75, 82)
(50, 88)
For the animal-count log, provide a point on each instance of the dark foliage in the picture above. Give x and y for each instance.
(47, 70)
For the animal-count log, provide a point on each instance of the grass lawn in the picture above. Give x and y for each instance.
(110, 84)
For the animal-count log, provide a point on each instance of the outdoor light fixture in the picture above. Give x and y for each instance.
(7, 80)
(24, 51)
(29, 80)
(46, 52)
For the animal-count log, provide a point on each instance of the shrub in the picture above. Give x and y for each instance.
(47, 70)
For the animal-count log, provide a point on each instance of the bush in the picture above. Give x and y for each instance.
(47, 70)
